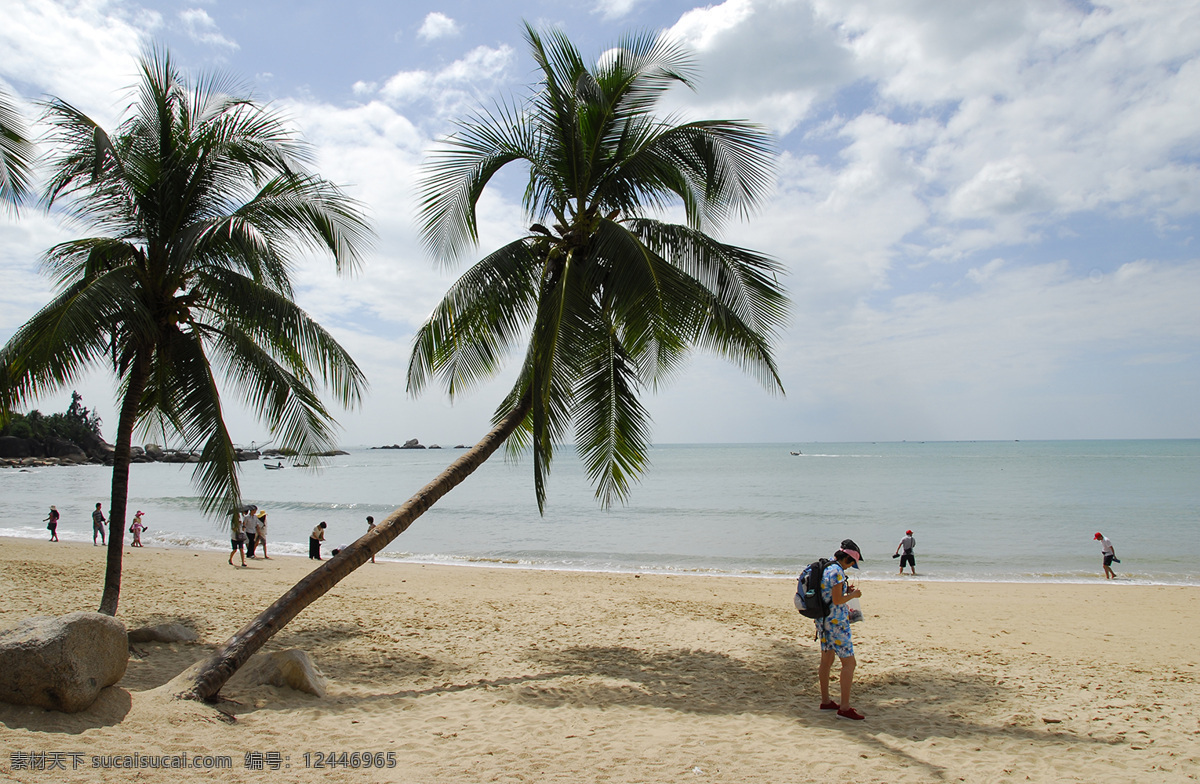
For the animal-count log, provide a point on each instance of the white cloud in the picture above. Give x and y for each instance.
(437, 25)
(78, 52)
(765, 60)
(202, 29)
(1014, 116)
(933, 152)
(615, 9)
(459, 88)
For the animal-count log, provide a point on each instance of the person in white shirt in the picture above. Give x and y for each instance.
(1109, 553)
(250, 527)
(907, 544)
(314, 541)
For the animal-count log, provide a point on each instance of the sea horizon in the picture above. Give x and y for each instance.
(1022, 510)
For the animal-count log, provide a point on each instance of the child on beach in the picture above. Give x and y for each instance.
(51, 522)
(237, 539)
(370, 528)
(834, 630)
(98, 522)
(136, 529)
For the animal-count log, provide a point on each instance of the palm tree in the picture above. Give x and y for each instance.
(16, 154)
(607, 298)
(199, 202)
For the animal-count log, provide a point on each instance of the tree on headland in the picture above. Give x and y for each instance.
(200, 201)
(17, 154)
(79, 424)
(606, 298)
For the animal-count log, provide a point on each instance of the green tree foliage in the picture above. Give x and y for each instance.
(17, 154)
(199, 202)
(606, 297)
(77, 425)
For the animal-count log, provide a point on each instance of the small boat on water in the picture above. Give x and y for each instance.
(275, 467)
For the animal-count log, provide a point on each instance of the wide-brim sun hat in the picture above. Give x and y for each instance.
(261, 515)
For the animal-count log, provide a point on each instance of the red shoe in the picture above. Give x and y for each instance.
(850, 713)
(831, 705)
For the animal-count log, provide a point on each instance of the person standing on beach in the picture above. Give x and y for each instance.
(237, 539)
(907, 544)
(1109, 553)
(370, 528)
(250, 526)
(314, 541)
(260, 532)
(51, 522)
(98, 522)
(834, 629)
(136, 529)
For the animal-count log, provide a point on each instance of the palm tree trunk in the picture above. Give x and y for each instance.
(117, 508)
(240, 647)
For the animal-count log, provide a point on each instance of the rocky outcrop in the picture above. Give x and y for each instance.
(62, 663)
(13, 448)
(16, 451)
(411, 443)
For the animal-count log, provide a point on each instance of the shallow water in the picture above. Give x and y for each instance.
(1002, 511)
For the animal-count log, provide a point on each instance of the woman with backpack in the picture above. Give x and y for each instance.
(834, 629)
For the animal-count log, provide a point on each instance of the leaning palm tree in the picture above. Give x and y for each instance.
(606, 297)
(199, 203)
(16, 153)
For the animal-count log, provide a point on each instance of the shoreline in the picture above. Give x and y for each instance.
(469, 675)
(511, 564)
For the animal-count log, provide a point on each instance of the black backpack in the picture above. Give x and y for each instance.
(808, 599)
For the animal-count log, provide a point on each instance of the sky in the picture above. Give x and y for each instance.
(986, 210)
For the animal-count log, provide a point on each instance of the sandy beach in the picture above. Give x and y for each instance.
(482, 674)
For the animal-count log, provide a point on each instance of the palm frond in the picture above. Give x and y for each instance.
(69, 333)
(17, 154)
(618, 300)
(456, 173)
(612, 428)
(483, 314)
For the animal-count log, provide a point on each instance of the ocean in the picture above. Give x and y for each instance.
(1021, 511)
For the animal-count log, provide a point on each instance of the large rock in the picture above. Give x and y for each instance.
(64, 450)
(164, 632)
(13, 447)
(62, 663)
(292, 668)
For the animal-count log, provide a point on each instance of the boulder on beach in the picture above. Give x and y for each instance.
(62, 663)
(293, 669)
(163, 632)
